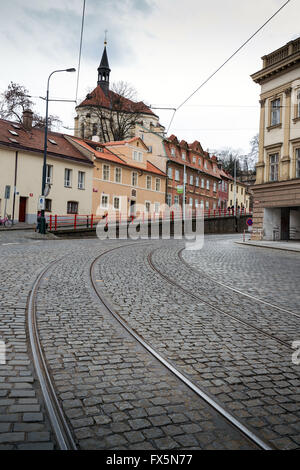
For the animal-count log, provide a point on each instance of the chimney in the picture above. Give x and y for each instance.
(27, 119)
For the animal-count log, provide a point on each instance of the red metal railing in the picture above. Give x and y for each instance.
(77, 221)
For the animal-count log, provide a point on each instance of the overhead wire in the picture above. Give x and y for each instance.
(80, 49)
(224, 63)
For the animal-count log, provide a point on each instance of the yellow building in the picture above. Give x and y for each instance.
(69, 173)
(240, 193)
(277, 188)
(125, 182)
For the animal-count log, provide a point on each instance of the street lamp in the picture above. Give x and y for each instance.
(43, 220)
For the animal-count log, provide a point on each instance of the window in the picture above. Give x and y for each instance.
(191, 201)
(202, 183)
(157, 184)
(137, 156)
(194, 159)
(95, 129)
(176, 199)
(81, 180)
(205, 165)
(275, 112)
(106, 172)
(191, 179)
(68, 179)
(169, 199)
(104, 201)
(225, 186)
(207, 184)
(177, 175)
(48, 205)
(134, 178)
(148, 206)
(298, 163)
(149, 182)
(49, 174)
(206, 205)
(183, 156)
(72, 207)
(242, 191)
(298, 104)
(197, 181)
(118, 175)
(172, 151)
(199, 161)
(231, 187)
(274, 167)
(214, 206)
(196, 203)
(116, 202)
(215, 187)
(170, 173)
(156, 207)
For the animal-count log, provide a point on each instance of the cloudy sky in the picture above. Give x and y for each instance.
(164, 48)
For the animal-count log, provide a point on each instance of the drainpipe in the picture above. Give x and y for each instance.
(167, 180)
(15, 185)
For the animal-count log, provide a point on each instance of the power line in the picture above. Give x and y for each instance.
(226, 61)
(80, 48)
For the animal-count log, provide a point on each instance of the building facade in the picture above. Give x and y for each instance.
(202, 175)
(277, 189)
(69, 173)
(125, 182)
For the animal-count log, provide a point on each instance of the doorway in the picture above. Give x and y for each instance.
(22, 209)
(285, 223)
(132, 208)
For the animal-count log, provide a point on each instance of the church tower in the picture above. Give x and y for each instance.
(104, 71)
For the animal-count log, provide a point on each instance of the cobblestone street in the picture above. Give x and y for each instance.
(234, 346)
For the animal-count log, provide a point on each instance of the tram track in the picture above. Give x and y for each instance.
(60, 427)
(232, 420)
(233, 289)
(211, 304)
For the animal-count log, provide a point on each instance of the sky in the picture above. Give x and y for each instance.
(164, 48)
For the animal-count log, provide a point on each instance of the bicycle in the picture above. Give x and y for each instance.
(6, 222)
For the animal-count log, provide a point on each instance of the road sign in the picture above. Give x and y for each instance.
(7, 192)
(41, 203)
(249, 222)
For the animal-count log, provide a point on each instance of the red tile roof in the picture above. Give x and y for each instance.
(98, 98)
(109, 155)
(33, 140)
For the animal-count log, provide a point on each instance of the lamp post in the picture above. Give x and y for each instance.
(43, 220)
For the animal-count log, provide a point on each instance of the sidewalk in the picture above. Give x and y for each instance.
(19, 226)
(291, 245)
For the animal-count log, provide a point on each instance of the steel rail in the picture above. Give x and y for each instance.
(252, 297)
(218, 309)
(59, 424)
(202, 394)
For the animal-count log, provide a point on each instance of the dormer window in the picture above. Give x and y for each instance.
(172, 151)
(183, 155)
(137, 156)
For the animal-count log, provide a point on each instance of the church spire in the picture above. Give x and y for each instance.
(104, 70)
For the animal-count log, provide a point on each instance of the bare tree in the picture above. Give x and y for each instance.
(115, 116)
(15, 100)
(227, 156)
